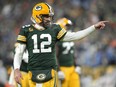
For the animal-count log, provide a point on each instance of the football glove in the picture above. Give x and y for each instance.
(78, 69)
(61, 75)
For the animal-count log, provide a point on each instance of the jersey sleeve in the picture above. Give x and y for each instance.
(61, 33)
(22, 36)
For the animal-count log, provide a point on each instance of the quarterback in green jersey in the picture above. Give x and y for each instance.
(39, 39)
(65, 55)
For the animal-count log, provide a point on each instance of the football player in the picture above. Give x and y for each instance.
(65, 53)
(39, 39)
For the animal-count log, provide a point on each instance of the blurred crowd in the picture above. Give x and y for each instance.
(96, 54)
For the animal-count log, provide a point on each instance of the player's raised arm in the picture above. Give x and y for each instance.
(71, 36)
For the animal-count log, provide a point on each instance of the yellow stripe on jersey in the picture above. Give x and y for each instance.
(21, 38)
(61, 33)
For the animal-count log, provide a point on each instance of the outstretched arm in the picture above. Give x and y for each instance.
(71, 36)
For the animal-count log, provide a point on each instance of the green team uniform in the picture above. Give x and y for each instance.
(66, 63)
(66, 53)
(40, 44)
(23, 66)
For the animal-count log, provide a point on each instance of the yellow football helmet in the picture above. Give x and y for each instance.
(63, 22)
(39, 10)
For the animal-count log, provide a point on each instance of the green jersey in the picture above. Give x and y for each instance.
(65, 53)
(23, 66)
(41, 45)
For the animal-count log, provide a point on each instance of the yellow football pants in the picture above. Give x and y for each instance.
(25, 80)
(71, 77)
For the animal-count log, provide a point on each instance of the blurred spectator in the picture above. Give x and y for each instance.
(3, 75)
(111, 53)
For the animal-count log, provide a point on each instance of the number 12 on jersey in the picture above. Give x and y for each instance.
(42, 44)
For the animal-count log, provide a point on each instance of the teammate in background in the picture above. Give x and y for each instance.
(65, 54)
(40, 39)
(23, 69)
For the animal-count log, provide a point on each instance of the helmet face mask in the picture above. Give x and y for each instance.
(40, 10)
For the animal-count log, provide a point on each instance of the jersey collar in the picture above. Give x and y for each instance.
(38, 27)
